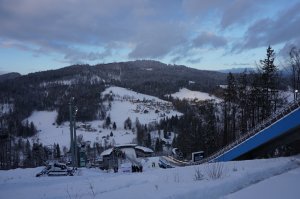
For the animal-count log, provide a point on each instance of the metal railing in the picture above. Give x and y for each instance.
(256, 130)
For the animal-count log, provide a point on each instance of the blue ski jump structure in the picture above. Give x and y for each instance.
(282, 124)
(280, 128)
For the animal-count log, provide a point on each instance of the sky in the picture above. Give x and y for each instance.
(211, 35)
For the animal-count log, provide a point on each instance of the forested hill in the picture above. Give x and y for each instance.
(49, 90)
(8, 76)
(152, 77)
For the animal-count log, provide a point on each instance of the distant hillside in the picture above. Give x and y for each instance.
(9, 76)
(52, 89)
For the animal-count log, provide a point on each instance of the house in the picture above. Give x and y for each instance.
(143, 151)
(113, 157)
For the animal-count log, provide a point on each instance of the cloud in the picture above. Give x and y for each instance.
(285, 50)
(238, 12)
(209, 39)
(271, 31)
(200, 7)
(230, 13)
(238, 64)
(71, 21)
(99, 29)
(146, 27)
(157, 40)
(195, 60)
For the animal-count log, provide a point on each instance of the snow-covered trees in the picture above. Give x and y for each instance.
(128, 124)
(251, 98)
(196, 129)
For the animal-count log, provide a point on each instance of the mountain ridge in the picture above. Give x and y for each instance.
(52, 89)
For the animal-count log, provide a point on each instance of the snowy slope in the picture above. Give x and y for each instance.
(50, 133)
(131, 104)
(159, 183)
(285, 185)
(124, 105)
(124, 93)
(185, 93)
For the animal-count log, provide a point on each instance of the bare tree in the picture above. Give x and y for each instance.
(295, 69)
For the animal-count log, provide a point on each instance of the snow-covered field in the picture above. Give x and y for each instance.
(126, 104)
(187, 94)
(131, 104)
(49, 133)
(272, 178)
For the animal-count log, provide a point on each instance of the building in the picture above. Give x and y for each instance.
(113, 157)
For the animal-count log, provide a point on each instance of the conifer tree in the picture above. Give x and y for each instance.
(114, 126)
(269, 83)
(243, 102)
(140, 132)
(58, 152)
(229, 110)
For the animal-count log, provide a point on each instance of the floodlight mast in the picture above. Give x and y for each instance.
(75, 136)
(72, 133)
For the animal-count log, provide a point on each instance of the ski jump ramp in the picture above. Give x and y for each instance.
(282, 124)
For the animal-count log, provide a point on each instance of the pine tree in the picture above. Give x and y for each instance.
(128, 124)
(269, 83)
(166, 134)
(28, 155)
(32, 129)
(229, 110)
(243, 102)
(148, 141)
(140, 132)
(107, 121)
(158, 145)
(58, 152)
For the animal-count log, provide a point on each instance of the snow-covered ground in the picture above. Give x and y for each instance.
(93, 79)
(272, 178)
(285, 185)
(287, 95)
(126, 104)
(49, 133)
(131, 104)
(187, 94)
